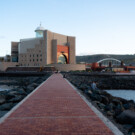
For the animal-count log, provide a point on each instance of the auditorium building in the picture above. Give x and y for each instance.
(47, 48)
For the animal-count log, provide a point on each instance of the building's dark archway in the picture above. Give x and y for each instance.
(62, 59)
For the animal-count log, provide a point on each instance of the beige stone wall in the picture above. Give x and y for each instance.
(33, 56)
(45, 47)
(28, 44)
(5, 65)
(71, 42)
(61, 39)
(49, 59)
(69, 67)
(54, 51)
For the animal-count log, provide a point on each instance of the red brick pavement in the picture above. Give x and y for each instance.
(54, 108)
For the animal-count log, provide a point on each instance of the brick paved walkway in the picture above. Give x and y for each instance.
(54, 108)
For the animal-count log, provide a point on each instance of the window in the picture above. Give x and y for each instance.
(37, 59)
(33, 59)
(40, 59)
(33, 55)
(37, 55)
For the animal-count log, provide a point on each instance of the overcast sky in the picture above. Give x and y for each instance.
(100, 26)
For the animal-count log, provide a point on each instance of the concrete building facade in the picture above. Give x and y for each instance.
(47, 48)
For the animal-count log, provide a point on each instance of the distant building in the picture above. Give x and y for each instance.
(6, 58)
(1, 59)
(46, 48)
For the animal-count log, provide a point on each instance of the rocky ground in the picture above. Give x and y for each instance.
(24, 86)
(120, 111)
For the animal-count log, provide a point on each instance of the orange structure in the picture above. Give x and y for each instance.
(63, 50)
(121, 68)
(129, 68)
(95, 65)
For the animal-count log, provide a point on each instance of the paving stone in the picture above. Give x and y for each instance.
(54, 108)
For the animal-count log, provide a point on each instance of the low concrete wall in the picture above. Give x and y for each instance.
(60, 67)
(30, 69)
(5, 65)
(69, 67)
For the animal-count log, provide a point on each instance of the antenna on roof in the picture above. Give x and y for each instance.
(40, 23)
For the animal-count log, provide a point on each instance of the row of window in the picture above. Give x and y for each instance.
(34, 55)
(33, 60)
(35, 64)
